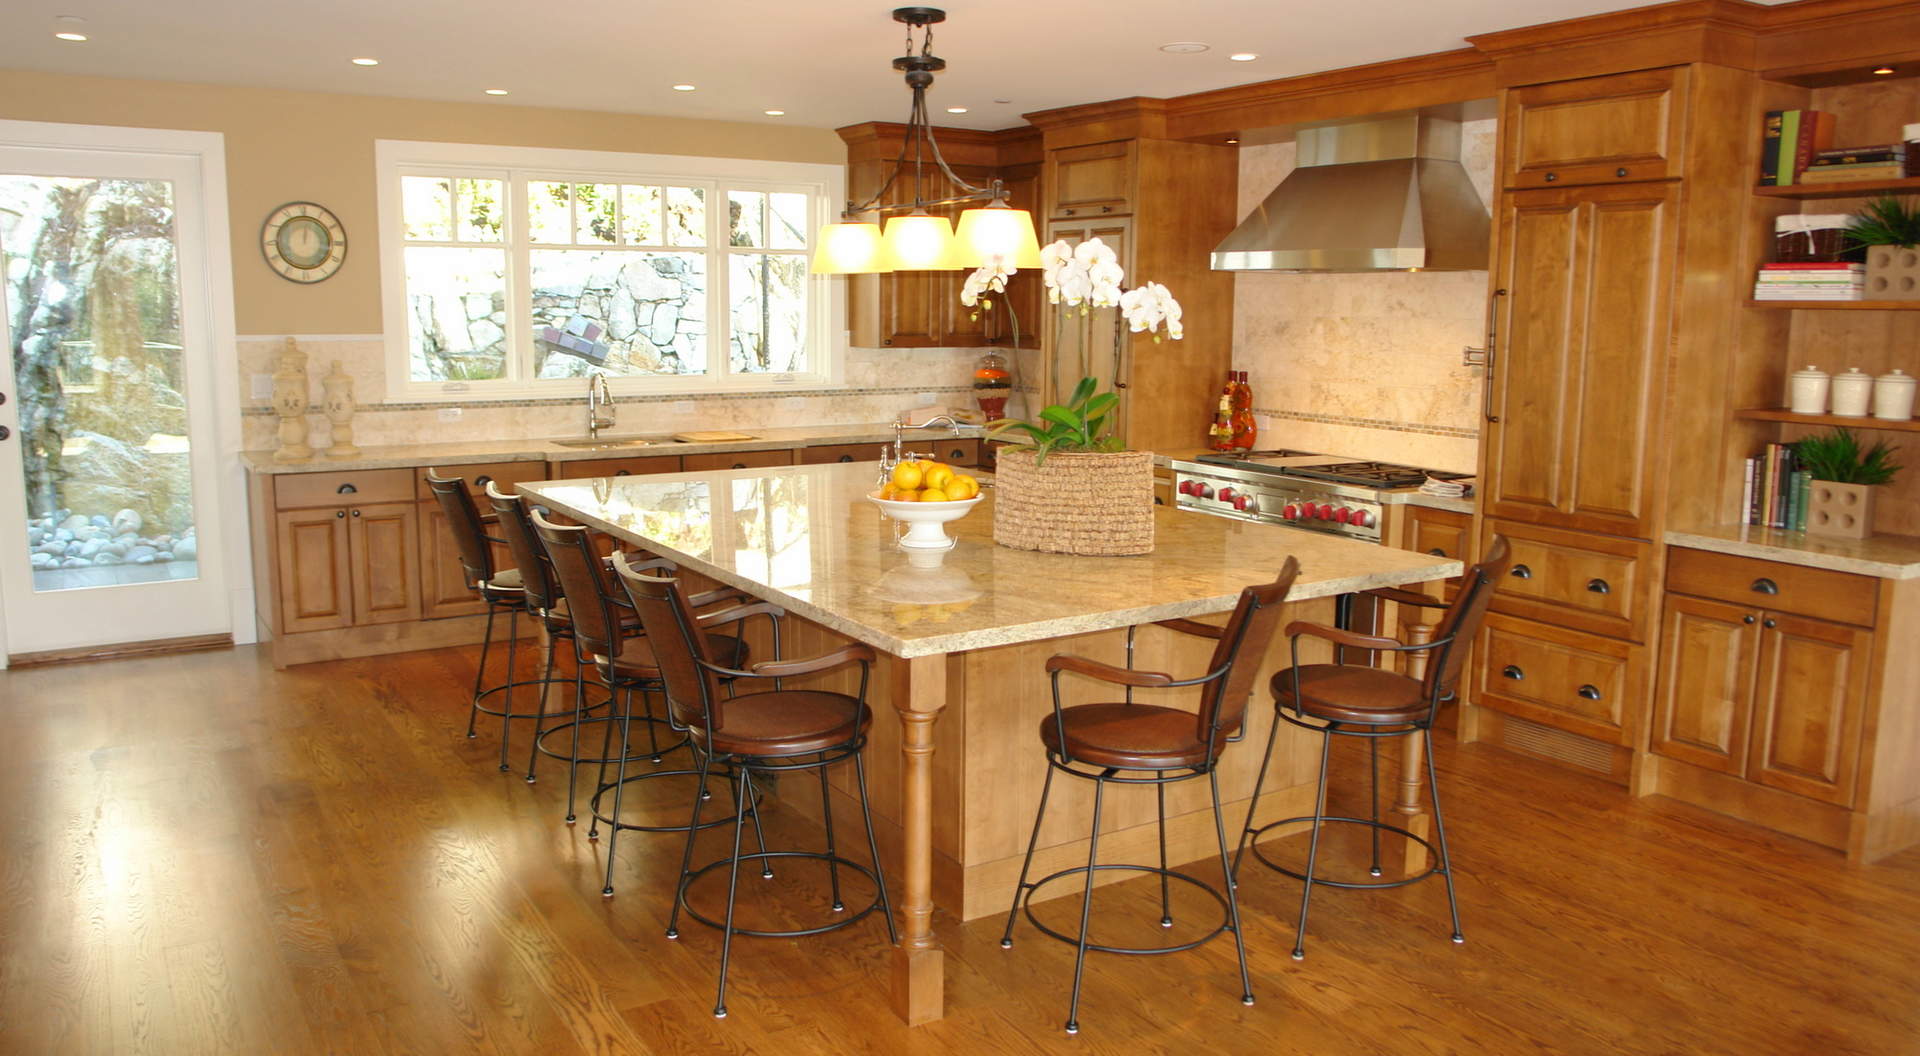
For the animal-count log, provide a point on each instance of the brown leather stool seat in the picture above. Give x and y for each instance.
(1349, 693)
(1119, 743)
(1127, 736)
(790, 722)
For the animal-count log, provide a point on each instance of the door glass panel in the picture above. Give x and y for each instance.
(93, 297)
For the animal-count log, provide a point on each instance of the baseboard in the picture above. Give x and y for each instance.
(122, 650)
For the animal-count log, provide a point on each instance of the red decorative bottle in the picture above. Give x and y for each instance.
(1245, 432)
(1220, 434)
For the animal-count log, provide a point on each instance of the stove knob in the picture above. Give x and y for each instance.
(1186, 487)
(1243, 503)
(1206, 491)
(1361, 519)
(1290, 512)
(1343, 515)
(1226, 494)
(1325, 512)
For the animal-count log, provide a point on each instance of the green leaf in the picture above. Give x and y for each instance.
(1064, 417)
(1083, 391)
(1101, 404)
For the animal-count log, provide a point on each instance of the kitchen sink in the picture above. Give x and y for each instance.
(608, 443)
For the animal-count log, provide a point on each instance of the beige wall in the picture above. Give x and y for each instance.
(287, 146)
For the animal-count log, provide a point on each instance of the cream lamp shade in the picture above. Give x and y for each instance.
(918, 242)
(997, 232)
(847, 249)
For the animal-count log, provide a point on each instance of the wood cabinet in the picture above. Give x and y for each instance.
(1582, 683)
(1572, 437)
(346, 565)
(1753, 690)
(1614, 129)
(736, 460)
(313, 569)
(1092, 181)
(383, 551)
(444, 590)
(1594, 583)
(579, 468)
(1091, 343)
(829, 453)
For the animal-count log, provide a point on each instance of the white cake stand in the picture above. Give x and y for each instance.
(925, 521)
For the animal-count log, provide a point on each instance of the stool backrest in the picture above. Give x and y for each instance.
(582, 579)
(536, 568)
(463, 520)
(1248, 633)
(1462, 619)
(680, 648)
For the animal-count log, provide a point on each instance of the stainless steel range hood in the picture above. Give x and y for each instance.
(1381, 194)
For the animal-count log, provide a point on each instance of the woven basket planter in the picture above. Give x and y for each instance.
(1096, 505)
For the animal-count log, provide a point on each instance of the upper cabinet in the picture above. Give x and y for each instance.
(1093, 181)
(1626, 127)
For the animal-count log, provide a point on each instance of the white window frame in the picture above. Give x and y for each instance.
(826, 308)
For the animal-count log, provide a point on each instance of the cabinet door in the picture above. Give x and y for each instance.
(1596, 129)
(1809, 699)
(1080, 344)
(384, 546)
(311, 548)
(1094, 180)
(444, 590)
(828, 453)
(1589, 272)
(580, 468)
(1581, 683)
(736, 460)
(1705, 698)
(1019, 309)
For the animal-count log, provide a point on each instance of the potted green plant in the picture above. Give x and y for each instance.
(1840, 502)
(1071, 487)
(1890, 229)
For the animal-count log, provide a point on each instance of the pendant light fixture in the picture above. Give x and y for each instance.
(916, 239)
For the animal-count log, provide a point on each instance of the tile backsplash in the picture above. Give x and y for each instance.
(1364, 364)
(880, 383)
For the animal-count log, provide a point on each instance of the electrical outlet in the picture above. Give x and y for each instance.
(262, 386)
(450, 414)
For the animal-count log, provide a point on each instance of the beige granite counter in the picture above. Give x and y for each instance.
(1884, 556)
(403, 456)
(806, 538)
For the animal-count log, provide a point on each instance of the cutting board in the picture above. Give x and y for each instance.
(712, 436)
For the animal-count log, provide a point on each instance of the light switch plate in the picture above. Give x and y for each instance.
(262, 386)
(450, 414)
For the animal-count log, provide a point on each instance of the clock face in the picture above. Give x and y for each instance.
(303, 242)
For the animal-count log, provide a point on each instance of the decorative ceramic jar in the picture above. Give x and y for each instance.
(290, 398)
(338, 403)
(992, 384)
(1807, 391)
(1852, 391)
(1893, 395)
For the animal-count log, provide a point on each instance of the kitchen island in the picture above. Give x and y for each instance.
(969, 636)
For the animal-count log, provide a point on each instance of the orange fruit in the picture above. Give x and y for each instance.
(939, 477)
(933, 495)
(907, 476)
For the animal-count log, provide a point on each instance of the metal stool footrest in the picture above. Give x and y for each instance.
(590, 720)
(500, 713)
(763, 857)
(1433, 853)
(1226, 920)
(593, 803)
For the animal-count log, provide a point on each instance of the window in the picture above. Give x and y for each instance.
(516, 272)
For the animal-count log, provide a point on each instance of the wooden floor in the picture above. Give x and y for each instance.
(200, 854)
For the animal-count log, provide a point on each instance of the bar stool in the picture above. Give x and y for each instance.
(758, 735)
(500, 589)
(1351, 700)
(596, 607)
(1098, 742)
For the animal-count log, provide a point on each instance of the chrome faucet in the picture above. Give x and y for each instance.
(899, 428)
(599, 398)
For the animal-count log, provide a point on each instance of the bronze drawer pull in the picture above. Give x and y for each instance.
(1621, 172)
(958, 452)
(1552, 176)
(1599, 586)
(1748, 618)
(739, 465)
(339, 513)
(480, 482)
(846, 458)
(1437, 552)
(356, 513)
(623, 472)
(1513, 671)
(1521, 572)
(346, 489)
(1763, 585)
(1768, 622)
(1589, 692)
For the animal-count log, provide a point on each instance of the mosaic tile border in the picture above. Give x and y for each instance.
(1370, 423)
(669, 397)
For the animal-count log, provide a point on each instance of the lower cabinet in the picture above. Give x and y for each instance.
(348, 566)
(1579, 682)
(1772, 697)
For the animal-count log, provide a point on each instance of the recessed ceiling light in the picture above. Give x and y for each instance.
(366, 62)
(70, 27)
(774, 113)
(1186, 47)
(683, 87)
(1003, 102)
(496, 91)
(1242, 56)
(1233, 139)
(1883, 71)
(956, 109)
(68, 34)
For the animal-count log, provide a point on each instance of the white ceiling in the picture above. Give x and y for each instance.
(825, 62)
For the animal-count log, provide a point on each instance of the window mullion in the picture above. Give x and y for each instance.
(519, 283)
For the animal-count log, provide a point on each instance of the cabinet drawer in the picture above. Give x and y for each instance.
(825, 453)
(1839, 596)
(612, 467)
(957, 450)
(1094, 180)
(736, 460)
(503, 475)
(1595, 583)
(292, 491)
(1581, 683)
(1623, 128)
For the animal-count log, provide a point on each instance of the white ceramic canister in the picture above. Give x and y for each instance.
(1807, 391)
(1893, 395)
(1852, 392)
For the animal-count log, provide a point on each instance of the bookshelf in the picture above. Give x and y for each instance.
(1853, 189)
(1781, 414)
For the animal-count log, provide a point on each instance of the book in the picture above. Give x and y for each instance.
(1809, 295)
(1787, 145)
(1851, 175)
(1816, 134)
(1746, 490)
(1825, 161)
(1770, 130)
(1803, 483)
(1814, 265)
(1872, 148)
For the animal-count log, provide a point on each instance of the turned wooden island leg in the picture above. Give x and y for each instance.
(1408, 803)
(918, 970)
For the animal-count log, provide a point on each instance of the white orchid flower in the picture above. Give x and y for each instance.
(971, 289)
(1054, 256)
(1150, 306)
(1073, 287)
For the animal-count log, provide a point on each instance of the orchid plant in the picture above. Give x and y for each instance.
(1086, 276)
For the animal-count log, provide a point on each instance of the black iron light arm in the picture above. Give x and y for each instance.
(919, 71)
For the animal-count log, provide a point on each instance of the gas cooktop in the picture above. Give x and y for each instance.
(1306, 465)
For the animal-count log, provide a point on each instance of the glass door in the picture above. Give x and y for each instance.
(108, 525)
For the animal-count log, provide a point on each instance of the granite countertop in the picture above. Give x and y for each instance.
(404, 456)
(1884, 556)
(805, 538)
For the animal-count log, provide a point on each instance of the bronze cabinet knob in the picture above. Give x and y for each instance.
(1589, 692)
(1599, 586)
(1747, 619)
(1513, 671)
(346, 489)
(1763, 585)
(1521, 572)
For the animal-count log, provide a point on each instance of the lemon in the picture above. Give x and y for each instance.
(907, 477)
(963, 486)
(933, 495)
(939, 477)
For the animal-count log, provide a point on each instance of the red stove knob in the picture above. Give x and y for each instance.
(1290, 512)
(1361, 519)
(1206, 491)
(1226, 494)
(1325, 512)
(1243, 503)
(1186, 487)
(1343, 515)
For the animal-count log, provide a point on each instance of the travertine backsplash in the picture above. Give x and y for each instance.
(1366, 365)
(880, 383)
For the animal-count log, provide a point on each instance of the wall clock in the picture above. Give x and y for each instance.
(303, 242)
